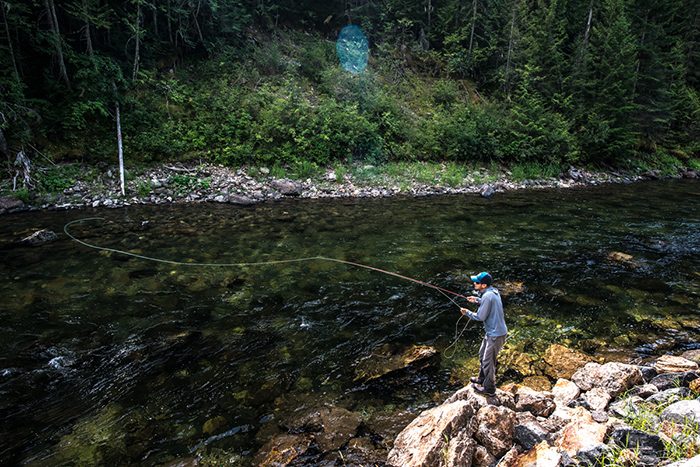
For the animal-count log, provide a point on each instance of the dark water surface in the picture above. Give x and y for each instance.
(107, 359)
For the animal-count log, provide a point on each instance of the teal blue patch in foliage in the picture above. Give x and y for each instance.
(353, 49)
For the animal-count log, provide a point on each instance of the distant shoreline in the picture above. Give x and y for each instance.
(169, 183)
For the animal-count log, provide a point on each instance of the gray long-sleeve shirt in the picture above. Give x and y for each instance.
(491, 313)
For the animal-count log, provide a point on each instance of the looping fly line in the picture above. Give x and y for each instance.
(444, 292)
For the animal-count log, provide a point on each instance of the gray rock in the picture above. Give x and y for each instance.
(669, 396)
(528, 431)
(39, 238)
(645, 444)
(287, 187)
(11, 204)
(592, 455)
(240, 200)
(673, 380)
(682, 412)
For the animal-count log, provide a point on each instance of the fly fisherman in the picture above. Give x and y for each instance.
(491, 313)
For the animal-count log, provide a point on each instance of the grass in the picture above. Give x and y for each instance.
(679, 439)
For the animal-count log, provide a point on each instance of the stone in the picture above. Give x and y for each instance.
(487, 191)
(421, 443)
(11, 204)
(338, 427)
(538, 383)
(281, 450)
(477, 401)
(626, 407)
(483, 458)
(495, 429)
(580, 434)
(597, 399)
(593, 454)
(240, 200)
(287, 187)
(692, 462)
(643, 391)
(540, 404)
(645, 444)
(613, 377)
(692, 355)
(213, 424)
(386, 427)
(562, 362)
(387, 362)
(673, 364)
(39, 237)
(528, 431)
(682, 411)
(669, 396)
(541, 455)
(673, 380)
(565, 392)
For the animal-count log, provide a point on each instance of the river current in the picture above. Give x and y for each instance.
(110, 359)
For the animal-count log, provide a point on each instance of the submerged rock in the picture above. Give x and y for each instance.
(563, 362)
(387, 363)
(39, 238)
(281, 450)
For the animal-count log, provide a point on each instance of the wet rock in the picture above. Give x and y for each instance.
(361, 452)
(338, 427)
(385, 427)
(281, 450)
(673, 364)
(518, 361)
(387, 363)
(613, 377)
(213, 424)
(39, 237)
(287, 187)
(9, 204)
(562, 362)
(421, 443)
(682, 411)
(538, 383)
(495, 429)
(187, 462)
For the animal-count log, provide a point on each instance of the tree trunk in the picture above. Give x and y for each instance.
(53, 20)
(138, 40)
(587, 32)
(88, 34)
(506, 80)
(119, 140)
(471, 36)
(4, 149)
(12, 54)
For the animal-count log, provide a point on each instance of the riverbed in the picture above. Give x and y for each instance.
(190, 343)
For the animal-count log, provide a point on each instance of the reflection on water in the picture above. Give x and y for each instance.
(107, 359)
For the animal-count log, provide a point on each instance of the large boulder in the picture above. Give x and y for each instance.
(581, 432)
(615, 378)
(422, 442)
(562, 362)
(673, 380)
(10, 204)
(495, 429)
(286, 187)
(528, 431)
(540, 404)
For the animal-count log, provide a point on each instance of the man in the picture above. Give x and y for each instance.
(491, 313)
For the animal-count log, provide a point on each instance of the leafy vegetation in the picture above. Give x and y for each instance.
(531, 86)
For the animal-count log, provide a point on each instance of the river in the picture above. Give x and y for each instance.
(111, 359)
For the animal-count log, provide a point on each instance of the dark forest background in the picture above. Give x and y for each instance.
(607, 83)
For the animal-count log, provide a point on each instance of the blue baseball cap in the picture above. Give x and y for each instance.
(482, 278)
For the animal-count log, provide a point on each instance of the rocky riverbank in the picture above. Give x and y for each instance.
(100, 186)
(611, 414)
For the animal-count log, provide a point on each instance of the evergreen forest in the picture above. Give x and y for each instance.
(603, 83)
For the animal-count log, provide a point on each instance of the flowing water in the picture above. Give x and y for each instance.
(109, 359)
